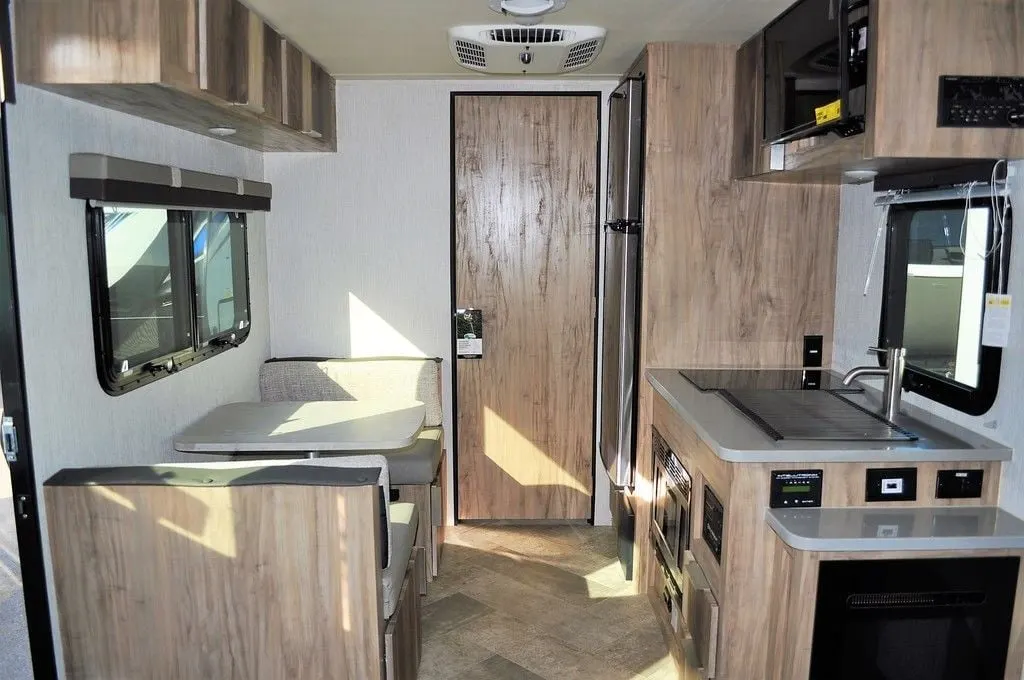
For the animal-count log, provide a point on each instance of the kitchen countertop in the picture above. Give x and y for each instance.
(734, 438)
(883, 529)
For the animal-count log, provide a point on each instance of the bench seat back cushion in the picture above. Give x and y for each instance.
(354, 379)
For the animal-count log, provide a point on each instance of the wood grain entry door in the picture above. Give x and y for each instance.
(525, 173)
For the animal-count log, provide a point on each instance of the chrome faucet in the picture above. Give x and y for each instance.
(895, 365)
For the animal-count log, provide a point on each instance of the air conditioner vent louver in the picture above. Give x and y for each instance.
(527, 36)
(470, 54)
(581, 54)
(537, 50)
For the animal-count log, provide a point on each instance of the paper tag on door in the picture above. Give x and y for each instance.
(469, 334)
(996, 328)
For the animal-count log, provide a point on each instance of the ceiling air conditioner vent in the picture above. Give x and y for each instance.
(581, 54)
(470, 54)
(528, 36)
(527, 51)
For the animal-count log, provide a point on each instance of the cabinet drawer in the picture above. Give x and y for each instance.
(700, 613)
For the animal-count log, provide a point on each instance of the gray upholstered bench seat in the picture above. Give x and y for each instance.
(416, 464)
(404, 523)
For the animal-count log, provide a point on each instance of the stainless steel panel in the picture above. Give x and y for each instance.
(625, 151)
(621, 279)
(813, 415)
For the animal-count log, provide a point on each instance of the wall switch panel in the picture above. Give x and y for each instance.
(891, 484)
(814, 347)
(981, 102)
(959, 483)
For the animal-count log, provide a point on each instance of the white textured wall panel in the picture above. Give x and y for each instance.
(360, 241)
(74, 422)
(856, 327)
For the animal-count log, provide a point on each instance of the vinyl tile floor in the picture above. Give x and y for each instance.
(537, 603)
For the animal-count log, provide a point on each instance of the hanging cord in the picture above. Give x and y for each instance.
(963, 223)
(894, 195)
(998, 216)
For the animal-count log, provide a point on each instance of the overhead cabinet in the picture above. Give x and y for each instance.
(912, 44)
(208, 66)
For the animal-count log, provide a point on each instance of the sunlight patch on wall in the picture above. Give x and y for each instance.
(218, 533)
(521, 459)
(372, 336)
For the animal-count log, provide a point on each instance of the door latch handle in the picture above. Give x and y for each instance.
(9, 437)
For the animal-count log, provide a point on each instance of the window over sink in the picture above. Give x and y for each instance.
(947, 249)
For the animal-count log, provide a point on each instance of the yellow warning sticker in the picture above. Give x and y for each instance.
(829, 112)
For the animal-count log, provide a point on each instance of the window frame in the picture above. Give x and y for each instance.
(183, 295)
(973, 401)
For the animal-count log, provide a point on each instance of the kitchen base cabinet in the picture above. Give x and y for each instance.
(743, 604)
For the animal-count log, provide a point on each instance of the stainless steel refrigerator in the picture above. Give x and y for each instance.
(623, 234)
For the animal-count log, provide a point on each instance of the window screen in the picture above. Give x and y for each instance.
(170, 288)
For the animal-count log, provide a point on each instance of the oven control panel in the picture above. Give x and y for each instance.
(796, 489)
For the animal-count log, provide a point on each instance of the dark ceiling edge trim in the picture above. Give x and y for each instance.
(119, 191)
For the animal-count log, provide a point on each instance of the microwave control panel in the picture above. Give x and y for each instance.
(796, 489)
(981, 102)
(714, 522)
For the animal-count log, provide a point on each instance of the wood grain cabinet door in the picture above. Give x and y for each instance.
(231, 53)
(525, 208)
(294, 76)
(318, 103)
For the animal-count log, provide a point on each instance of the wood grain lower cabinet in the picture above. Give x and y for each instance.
(197, 65)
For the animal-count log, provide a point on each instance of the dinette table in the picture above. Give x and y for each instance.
(310, 427)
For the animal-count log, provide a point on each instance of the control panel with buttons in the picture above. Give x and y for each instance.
(981, 102)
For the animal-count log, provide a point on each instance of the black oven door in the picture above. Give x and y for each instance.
(916, 619)
(672, 505)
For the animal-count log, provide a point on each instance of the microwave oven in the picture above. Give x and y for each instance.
(815, 70)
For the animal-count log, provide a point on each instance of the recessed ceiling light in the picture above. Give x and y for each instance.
(860, 176)
(222, 131)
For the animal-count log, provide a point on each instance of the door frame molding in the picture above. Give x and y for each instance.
(597, 96)
(23, 478)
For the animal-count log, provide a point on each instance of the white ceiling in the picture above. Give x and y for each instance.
(408, 38)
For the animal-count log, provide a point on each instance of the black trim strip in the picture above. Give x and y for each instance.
(23, 480)
(120, 191)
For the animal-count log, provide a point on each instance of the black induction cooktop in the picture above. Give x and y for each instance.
(717, 380)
